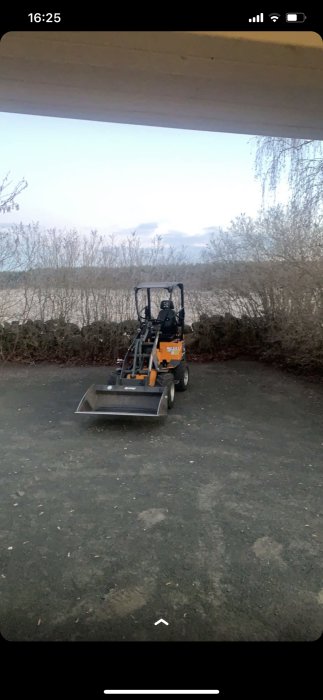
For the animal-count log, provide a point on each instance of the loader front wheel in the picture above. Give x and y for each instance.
(167, 380)
(181, 376)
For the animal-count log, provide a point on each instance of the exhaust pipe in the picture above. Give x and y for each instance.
(116, 400)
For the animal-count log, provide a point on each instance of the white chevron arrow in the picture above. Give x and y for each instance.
(161, 620)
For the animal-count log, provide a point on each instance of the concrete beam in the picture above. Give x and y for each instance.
(207, 81)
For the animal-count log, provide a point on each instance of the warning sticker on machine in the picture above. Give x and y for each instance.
(173, 350)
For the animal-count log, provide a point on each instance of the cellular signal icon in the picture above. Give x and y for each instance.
(257, 18)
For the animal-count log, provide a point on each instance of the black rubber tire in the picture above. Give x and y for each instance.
(167, 380)
(181, 376)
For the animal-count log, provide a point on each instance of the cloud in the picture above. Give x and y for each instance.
(193, 244)
(197, 240)
(147, 228)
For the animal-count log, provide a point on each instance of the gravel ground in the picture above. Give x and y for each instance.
(210, 518)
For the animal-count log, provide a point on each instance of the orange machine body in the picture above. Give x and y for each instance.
(170, 351)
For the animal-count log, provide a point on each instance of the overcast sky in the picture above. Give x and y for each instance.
(116, 177)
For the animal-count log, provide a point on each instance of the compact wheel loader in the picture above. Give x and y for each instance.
(154, 365)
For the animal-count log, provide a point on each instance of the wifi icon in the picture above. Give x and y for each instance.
(274, 16)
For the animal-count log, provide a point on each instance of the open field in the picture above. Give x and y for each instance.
(107, 305)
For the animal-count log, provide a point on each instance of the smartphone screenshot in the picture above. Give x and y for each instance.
(161, 341)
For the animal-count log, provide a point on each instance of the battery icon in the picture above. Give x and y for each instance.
(295, 17)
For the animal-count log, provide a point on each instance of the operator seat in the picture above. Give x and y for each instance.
(167, 320)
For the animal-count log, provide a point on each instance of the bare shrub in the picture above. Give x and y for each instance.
(9, 194)
(259, 288)
(81, 279)
(271, 268)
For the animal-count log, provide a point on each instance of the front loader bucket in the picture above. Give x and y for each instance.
(118, 400)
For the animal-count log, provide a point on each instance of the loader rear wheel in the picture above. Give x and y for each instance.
(167, 380)
(181, 376)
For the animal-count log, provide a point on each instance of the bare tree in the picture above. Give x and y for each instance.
(9, 194)
(301, 161)
(271, 269)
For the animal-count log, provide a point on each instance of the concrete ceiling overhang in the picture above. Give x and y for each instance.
(268, 83)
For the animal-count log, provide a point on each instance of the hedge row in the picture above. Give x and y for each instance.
(59, 341)
(275, 340)
(212, 337)
(227, 334)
